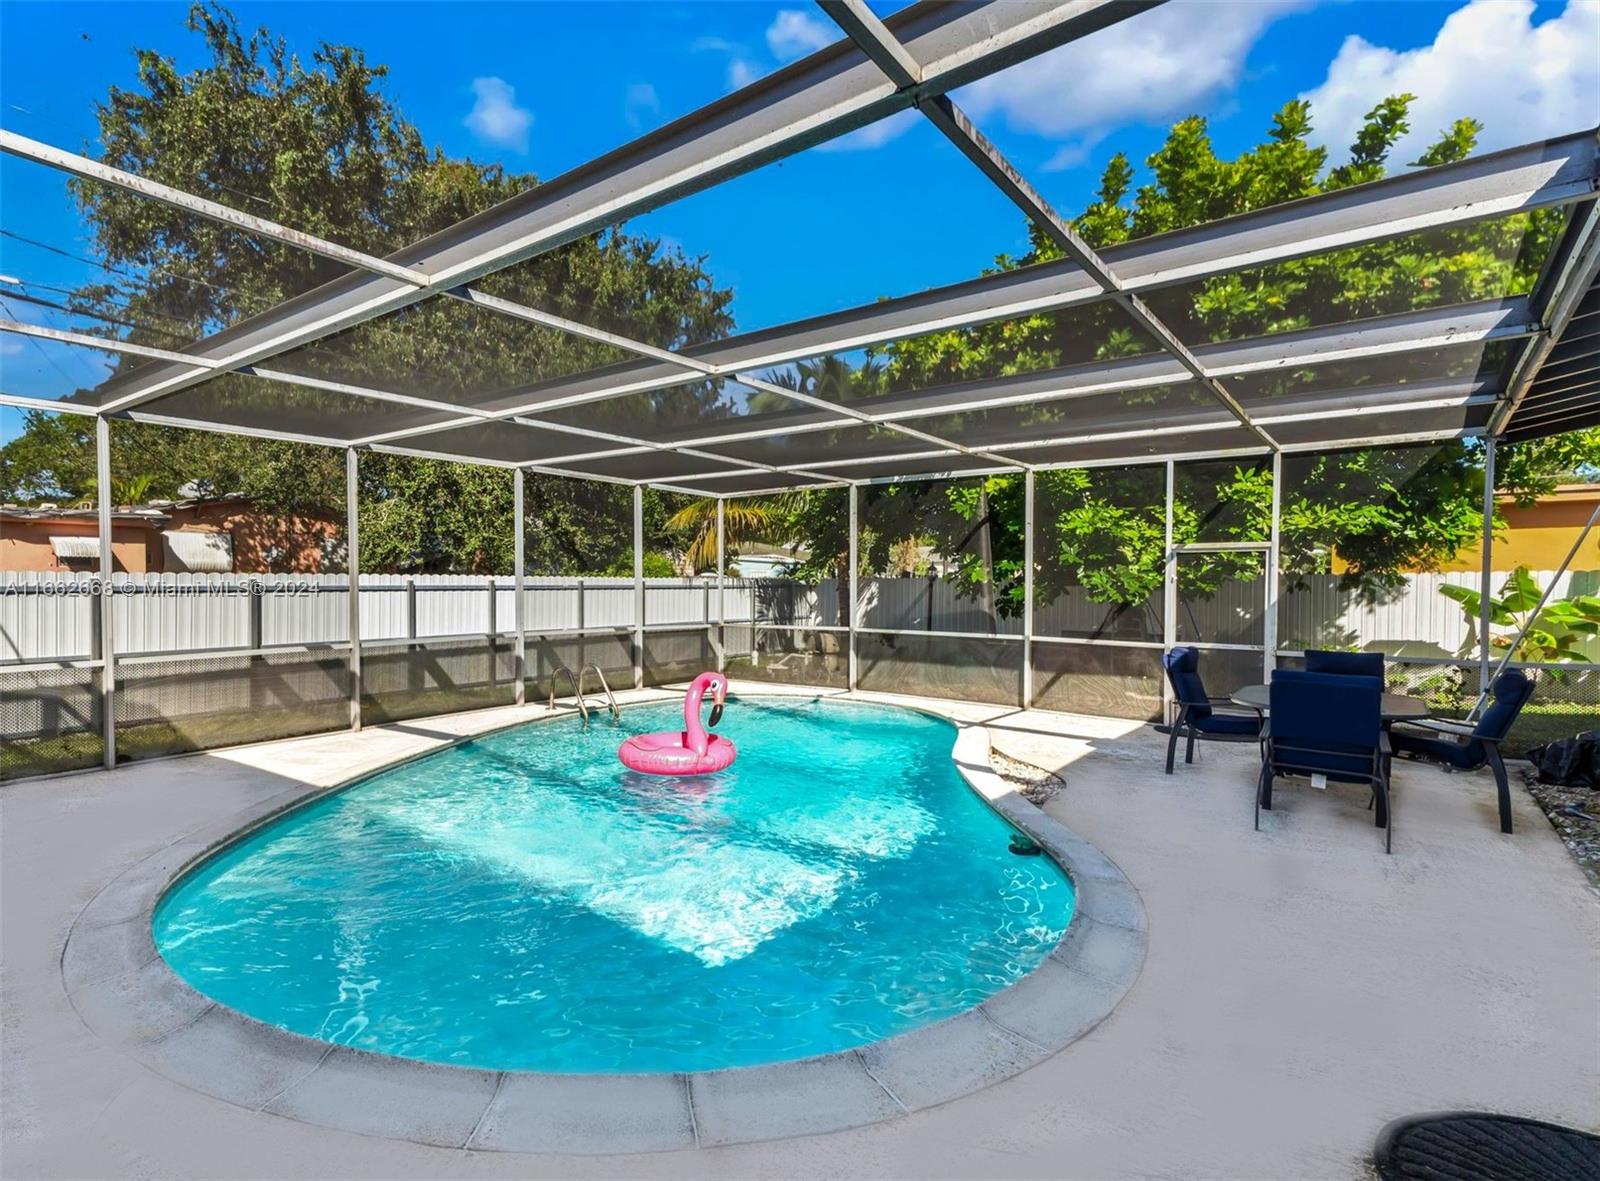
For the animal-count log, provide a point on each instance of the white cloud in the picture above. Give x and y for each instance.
(495, 117)
(1488, 62)
(742, 71)
(795, 33)
(873, 135)
(640, 104)
(1156, 67)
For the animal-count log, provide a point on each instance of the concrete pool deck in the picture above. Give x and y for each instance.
(1300, 988)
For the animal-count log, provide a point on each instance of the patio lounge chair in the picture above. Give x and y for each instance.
(1327, 724)
(1461, 747)
(1345, 664)
(1200, 716)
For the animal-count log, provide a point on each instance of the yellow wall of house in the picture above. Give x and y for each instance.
(1539, 535)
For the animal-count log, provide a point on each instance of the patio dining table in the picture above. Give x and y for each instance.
(1396, 707)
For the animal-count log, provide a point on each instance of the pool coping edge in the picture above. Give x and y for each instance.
(123, 990)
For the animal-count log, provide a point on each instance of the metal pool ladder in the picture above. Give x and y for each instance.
(611, 702)
(577, 691)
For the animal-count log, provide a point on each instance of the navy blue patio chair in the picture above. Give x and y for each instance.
(1328, 724)
(1345, 664)
(1460, 747)
(1200, 716)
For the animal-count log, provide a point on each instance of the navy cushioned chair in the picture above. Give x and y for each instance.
(1327, 724)
(1466, 748)
(1199, 716)
(1345, 664)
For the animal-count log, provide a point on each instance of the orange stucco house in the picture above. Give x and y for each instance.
(1539, 535)
(224, 534)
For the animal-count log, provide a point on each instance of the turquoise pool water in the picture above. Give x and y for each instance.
(525, 902)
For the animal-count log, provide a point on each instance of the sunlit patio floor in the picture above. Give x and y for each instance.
(1300, 988)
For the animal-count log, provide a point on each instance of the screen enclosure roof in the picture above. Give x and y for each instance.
(445, 349)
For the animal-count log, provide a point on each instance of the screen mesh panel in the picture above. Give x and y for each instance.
(1178, 444)
(1071, 417)
(666, 466)
(201, 702)
(50, 720)
(940, 666)
(1100, 552)
(257, 403)
(706, 409)
(787, 656)
(446, 349)
(1489, 259)
(758, 480)
(1222, 598)
(509, 442)
(1485, 361)
(413, 680)
(1225, 671)
(824, 446)
(612, 654)
(1353, 430)
(673, 656)
(51, 370)
(1101, 679)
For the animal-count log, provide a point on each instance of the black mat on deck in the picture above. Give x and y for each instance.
(1473, 1146)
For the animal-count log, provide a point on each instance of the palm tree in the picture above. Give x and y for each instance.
(133, 490)
(743, 521)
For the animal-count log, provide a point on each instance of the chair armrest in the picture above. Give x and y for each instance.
(1443, 726)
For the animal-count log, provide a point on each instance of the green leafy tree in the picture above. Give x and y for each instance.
(1555, 631)
(314, 142)
(1371, 515)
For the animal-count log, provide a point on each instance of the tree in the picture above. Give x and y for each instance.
(743, 522)
(1372, 513)
(316, 144)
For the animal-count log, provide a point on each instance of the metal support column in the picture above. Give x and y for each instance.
(352, 532)
(638, 586)
(1027, 589)
(722, 575)
(1274, 545)
(1169, 599)
(1484, 588)
(519, 574)
(853, 573)
(108, 653)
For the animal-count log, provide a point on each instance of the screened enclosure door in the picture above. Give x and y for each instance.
(1221, 608)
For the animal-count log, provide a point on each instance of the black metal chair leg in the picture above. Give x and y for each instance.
(1263, 787)
(1188, 754)
(1501, 783)
(1172, 745)
(1388, 819)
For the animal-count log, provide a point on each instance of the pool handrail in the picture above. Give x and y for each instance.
(577, 690)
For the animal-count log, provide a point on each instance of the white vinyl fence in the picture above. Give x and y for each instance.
(51, 616)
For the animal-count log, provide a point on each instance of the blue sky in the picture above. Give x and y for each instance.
(543, 87)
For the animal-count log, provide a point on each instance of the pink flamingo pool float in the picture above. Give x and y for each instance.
(690, 751)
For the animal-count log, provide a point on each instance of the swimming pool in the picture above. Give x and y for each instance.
(523, 902)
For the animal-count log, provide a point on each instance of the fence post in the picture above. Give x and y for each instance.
(638, 586)
(1269, 660)
(494, 632)
(108, 653)
(353, 551)
(1169, 599)
(852, 671)
(257, 636)
(1027, 589)
(519, 550)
